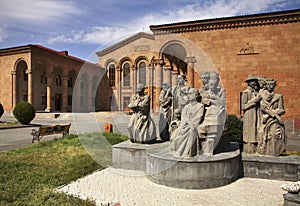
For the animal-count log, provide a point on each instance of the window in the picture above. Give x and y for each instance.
(126, 101)
(126, 75)
(69, 100)
(142, 73)
(94, 83)
(112, 75)
(43, 79)
(58, 80)
(25, 97)
(25, 76)
(70, 82)
(43, 99)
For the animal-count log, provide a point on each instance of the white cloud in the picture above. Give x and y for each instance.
(36, 11)
(3, 34)
(190, 12)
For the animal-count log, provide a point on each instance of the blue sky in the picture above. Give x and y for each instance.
(85, 26)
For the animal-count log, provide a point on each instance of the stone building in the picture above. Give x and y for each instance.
(47, 79)
(265, 44)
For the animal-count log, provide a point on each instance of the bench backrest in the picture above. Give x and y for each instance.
(54, 129)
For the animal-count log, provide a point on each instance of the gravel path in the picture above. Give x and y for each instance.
(133, 188)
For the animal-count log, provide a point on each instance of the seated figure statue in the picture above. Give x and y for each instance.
(186, 143)
(141, 126)
(214, 99)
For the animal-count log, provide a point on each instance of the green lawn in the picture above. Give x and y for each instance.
(28, 176)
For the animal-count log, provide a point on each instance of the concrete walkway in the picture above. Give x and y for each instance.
(130, 188)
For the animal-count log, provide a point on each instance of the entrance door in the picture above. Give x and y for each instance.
(58, 101)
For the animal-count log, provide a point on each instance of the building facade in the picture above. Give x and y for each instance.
(47, 79)
(261, 44)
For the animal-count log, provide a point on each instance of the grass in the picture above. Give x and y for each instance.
(29, 175)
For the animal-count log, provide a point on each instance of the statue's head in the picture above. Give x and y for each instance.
(165, 86)
(270, 84)
(177, 113)
(205, 77)
(194, 94)
(140, 88)
(252, 81)
(181, 79)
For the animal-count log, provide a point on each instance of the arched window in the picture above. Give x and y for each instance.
(58, 80)
(25, 76)
(112, 75)
(43, 79)
(70, 82)
(142, 73)
(126, 75)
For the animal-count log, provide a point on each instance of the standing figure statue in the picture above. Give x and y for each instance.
(273, 140)
(250, 106)
(179, 93)
(187, 143)
(141, 126)
(165, 114)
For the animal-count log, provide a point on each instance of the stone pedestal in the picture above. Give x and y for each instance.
(291, 199)
(132, 156)
(199, 172)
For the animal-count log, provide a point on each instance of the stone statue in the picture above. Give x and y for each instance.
(291, 187)
(273, 139)
(186, 143)
(141, 126)
(250, 106)
(179, 93)
(174, 125)
(214, 100)
(165, 100)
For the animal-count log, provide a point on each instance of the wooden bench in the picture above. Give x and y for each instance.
(45, 130)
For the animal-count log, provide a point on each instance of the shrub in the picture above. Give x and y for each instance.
(1, 110)
(24, 112)
(235, 128)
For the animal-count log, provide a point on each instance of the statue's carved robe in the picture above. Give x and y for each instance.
(274, 139)
(141, 126)
(186, 144)
(250, 108)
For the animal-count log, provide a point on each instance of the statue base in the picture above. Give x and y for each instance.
(199, 172)
(291, 199)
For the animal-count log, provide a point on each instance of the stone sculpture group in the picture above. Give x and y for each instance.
(193, 119)
(263, 131)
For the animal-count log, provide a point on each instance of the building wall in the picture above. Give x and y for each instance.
(276, 55)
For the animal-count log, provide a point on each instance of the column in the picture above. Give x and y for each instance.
(134, 79)
(150, 85)
(30, 89)
(167, 76)
(14, 88)
(190, 70)
(118, 86)
(64, 80)
(174, 78)
(158, 64)
(49, 92)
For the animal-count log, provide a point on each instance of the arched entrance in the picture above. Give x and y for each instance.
(21, 82)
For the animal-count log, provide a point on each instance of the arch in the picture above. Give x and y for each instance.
(174, 43)
(124, 60)
(21, 81)
(108, 62)
(174, 53)
(139, 59)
